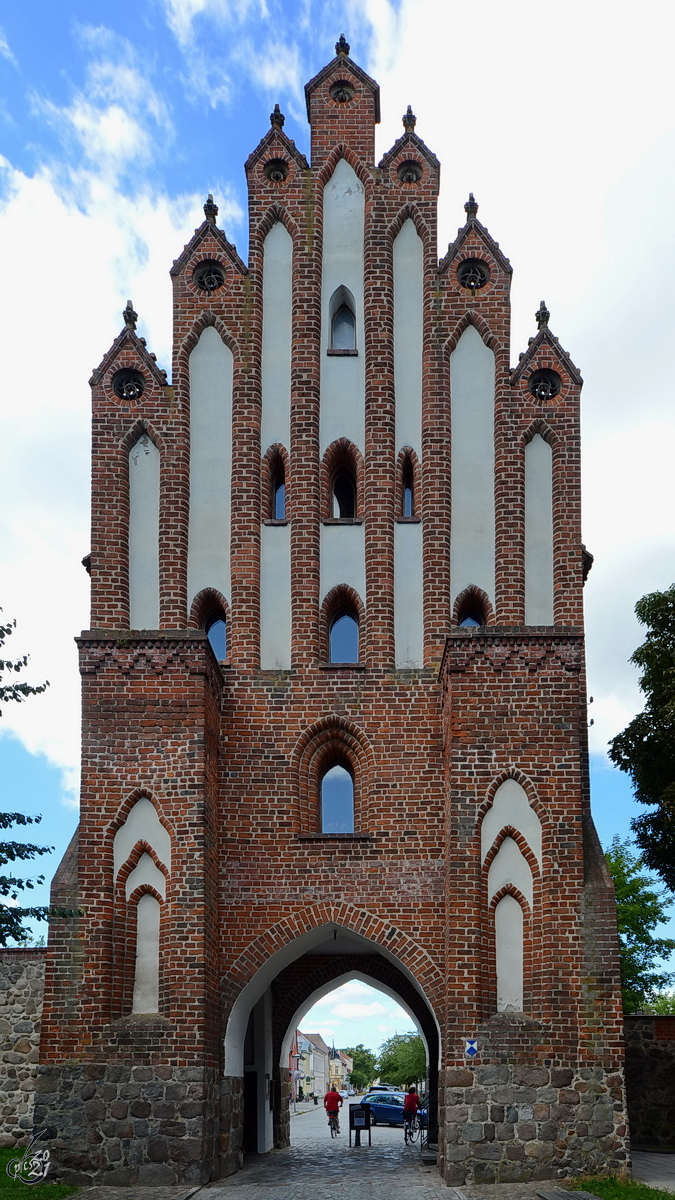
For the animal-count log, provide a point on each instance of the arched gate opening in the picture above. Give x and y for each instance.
(271, 1005)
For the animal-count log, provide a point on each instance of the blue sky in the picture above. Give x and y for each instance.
(117, 119)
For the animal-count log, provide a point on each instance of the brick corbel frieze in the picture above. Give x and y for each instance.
(533, 649)
(130, 651)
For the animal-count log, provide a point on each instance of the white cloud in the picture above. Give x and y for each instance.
(117, 117)
(62, 312)
(356, 1012)
(5, 51)
(182, 15)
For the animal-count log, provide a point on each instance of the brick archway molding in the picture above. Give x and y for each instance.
(282, 944)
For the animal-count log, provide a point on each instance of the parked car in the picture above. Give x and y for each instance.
(386, 1108)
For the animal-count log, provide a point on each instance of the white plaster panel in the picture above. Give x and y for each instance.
(408, 330)
(211, 371)
(275, 598)
(144, 825)
(508, 867)
(408, 596)
(342, 379)
(538, 532)
(511, 807)
(144, 534)
(146, 976)
(146, 871)
(509, 946)
(472, 384)
(276, 336)
(343, 558)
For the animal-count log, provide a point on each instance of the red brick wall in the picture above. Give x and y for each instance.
(229, 754)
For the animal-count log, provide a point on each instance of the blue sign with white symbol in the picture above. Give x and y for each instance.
(471, 1047)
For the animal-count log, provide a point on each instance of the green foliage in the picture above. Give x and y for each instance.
(662, 1004)
(640, 907)
(12, 916)
(364, 1069)
(403, 1060)
(646, 748)
(16, 1189)
(611, 1187)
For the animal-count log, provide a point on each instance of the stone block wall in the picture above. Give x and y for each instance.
(650, 1081)
(22, 974)
(511, 1124)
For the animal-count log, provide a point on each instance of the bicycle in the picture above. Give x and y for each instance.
(411, 1128)
(334, 1124)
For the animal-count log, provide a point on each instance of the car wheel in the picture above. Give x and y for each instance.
(373, 1120)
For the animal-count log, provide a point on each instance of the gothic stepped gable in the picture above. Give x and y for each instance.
(334, 718)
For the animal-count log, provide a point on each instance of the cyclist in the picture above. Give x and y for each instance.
(411, 1105)
(332, 1103)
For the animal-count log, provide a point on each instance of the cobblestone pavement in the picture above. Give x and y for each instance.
(316, 1167)
(658, 1170)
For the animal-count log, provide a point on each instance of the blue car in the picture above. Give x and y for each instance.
(386, 1108)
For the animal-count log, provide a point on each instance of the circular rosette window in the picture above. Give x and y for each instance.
(209, 276)
(410, 171)
(276, 170)
(545, 385)
(473, 274)
(128, 384)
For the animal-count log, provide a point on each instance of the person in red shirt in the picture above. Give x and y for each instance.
(410, 1105)
(332, 1103)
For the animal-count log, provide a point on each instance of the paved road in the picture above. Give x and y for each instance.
(316, 1164)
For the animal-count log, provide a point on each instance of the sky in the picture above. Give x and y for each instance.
(117, 119)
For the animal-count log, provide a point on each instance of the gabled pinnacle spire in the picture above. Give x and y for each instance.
(409, 120)
(130, 317)
(342, 45)
(277, 117)
(542, 315)
(210, 209)
(471, 207)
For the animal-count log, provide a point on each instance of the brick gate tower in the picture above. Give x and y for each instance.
(334, 703)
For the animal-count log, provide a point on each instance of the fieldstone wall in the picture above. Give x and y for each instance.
(121, 1124)
(509, 1124)
(231, 1124)
(22, 974)
(650, 1081)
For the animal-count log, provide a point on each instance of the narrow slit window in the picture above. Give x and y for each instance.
(216, 631)
(343, 329)
(337, 801)
(344, 496)
(279, 501)
(408, 496)
(344, 639)
(277, 493)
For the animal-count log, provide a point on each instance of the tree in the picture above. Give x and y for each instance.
(646, 748)
(662, 1004)
(640, 907)
(403, 1059)
(364, 1069)
(13, 915)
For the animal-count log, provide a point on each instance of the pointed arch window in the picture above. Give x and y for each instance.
(471, 612)
(216, 631)
(344, 495)
(343, 638)
(278, 490)
(342, 318)
(343, 332)
(407, 488)
(337, 800)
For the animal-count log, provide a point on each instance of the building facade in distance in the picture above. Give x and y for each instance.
(334, 718)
